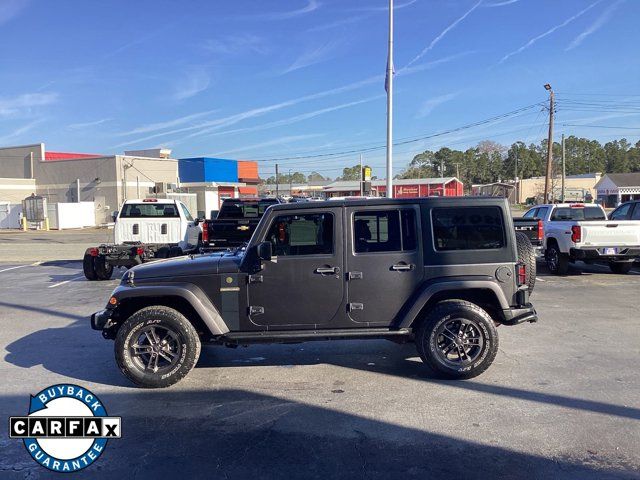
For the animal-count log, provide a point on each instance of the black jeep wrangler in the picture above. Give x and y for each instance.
(440, 272)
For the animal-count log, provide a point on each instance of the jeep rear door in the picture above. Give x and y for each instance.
(384, 261)
(303, 285)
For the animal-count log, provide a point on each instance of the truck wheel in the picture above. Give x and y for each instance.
(527, 255)
(156, 347)
(89, 267)
(620, 267)
(557, 262)
(457, 340)
(175, 252)
(104, 270)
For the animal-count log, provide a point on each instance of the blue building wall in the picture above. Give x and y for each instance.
(205, 169)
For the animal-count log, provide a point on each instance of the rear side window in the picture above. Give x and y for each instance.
(149, 210)
(310, 234)
(542, 212)
(531, 213)
(636, 212)
(468, 228)
(621, 212)
(578, 213)
(186, 212)
(384, 231)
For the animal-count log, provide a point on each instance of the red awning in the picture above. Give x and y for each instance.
(248, 191)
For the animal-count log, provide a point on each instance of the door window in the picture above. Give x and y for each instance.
(542, 212)
(310, 234)
(636, 212)
(384, 231)
(621, 212)
(187, 215)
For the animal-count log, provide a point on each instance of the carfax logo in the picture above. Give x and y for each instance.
(67, 428)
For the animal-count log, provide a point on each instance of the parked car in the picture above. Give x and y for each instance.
(439, 272)
(626, 211)
(235, 223)
(144, 230)
(581, 232)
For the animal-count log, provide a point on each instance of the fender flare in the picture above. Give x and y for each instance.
(482, 283)
(189, 292)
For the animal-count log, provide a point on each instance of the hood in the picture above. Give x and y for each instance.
(209, 264)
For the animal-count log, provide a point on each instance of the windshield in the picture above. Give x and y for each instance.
(149, 210)
(244, 209)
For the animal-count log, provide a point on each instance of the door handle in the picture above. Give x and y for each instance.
(402, 267)
(327, 270)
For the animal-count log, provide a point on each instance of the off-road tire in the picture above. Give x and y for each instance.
(163, 317)
(103, 269)
(527, 255)
(427, 337)
(89, 267)
(621, 268)
(561, 265)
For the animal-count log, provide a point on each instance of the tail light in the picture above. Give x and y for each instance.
(521, 273)
(540, 230)
(205, 232)
(140, 251)
(576, 234)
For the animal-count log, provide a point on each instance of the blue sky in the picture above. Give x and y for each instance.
(279, 79)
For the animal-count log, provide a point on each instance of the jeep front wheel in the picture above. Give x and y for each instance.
(156, 347)
(457, 340)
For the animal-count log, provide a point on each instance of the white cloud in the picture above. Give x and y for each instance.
(9, 9)
(18, 132)
(313, 56)
(235, 44)
(195, 82)
(548, 32)
(595, 26)
(428, 106)
(435, 41)
(26, 101)
(78, 126)
(270, 143)
(154, 127)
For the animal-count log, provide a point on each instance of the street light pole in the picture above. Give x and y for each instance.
(290, 184)
(389, 85)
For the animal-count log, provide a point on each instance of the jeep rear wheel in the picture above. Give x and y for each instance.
(156, 347)
(457, 340)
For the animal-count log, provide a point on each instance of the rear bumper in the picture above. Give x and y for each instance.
(517, 315)
(624, 253)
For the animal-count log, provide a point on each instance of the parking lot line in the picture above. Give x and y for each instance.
(20, 266)
(66, 281)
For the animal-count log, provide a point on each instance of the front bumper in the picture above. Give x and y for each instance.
(517, 315)
(101, 319)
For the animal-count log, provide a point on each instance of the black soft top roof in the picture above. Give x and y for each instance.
(433, 201)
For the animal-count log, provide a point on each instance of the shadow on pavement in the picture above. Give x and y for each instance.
(234, 434)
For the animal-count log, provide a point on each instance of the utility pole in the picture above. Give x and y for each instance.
(515, 176)
(547, 180)
(389, 85)
(361, 177)
(290, 184)
(277, 184)
(564, 173)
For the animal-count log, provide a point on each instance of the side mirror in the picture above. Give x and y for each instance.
(114, 216)
(264, 251)
(196, 221)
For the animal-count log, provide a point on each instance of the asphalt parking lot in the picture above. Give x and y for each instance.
(562, 399)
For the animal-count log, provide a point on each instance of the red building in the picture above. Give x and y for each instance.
(404, 188)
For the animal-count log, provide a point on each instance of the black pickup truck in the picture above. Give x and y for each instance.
(235, 223)
(442, 273)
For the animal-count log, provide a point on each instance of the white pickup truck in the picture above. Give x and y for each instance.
(581, 232)
(144, 230)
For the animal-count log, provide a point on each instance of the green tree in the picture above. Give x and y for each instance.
(351, 173)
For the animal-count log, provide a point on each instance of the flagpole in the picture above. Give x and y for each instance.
(390, 106)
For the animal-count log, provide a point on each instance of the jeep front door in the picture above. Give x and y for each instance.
(303, 285)
(384, 262)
